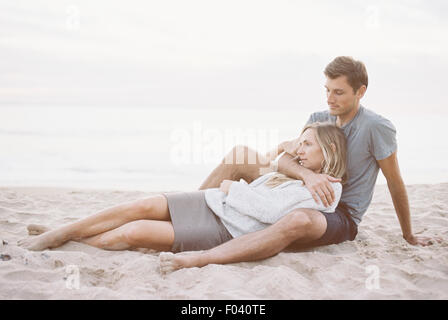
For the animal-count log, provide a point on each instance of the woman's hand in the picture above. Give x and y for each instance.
(225, 186)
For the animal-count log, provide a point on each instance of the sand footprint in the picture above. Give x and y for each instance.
(36, 229)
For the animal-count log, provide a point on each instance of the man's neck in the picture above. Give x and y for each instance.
(343, 119)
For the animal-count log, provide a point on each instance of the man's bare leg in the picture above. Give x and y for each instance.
(298, 227)
(240, 163)
(153, 208)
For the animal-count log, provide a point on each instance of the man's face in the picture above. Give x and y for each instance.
(341, 99)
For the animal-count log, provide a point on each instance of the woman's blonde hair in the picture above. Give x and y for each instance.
(333, 143)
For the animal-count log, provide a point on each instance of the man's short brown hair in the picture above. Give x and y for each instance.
(354, 70)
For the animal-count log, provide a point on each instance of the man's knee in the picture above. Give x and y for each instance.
(306, 224)
(297, 222)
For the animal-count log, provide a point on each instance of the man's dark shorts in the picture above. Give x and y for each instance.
(340, 228)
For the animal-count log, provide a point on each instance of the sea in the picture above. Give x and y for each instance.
(172, 149)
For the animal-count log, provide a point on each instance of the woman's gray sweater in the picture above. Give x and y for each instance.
(255, 206)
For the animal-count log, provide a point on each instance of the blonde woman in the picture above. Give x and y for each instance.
(244, 208)
(201, 220)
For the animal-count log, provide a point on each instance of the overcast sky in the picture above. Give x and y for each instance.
(219, 54)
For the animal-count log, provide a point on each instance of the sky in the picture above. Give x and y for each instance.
(220, 54)
(265, 58)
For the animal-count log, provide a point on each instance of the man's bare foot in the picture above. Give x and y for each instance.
(50, 239)
(36, 229)
(170, 262)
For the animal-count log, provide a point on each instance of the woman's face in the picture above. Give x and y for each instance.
(309, 152)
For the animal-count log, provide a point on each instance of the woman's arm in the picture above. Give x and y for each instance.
(270, 206)
(244, 199)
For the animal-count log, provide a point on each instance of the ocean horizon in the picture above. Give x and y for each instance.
(169, 149)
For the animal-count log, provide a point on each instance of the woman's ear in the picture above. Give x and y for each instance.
(333, 147)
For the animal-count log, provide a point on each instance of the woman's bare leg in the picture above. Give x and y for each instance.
(240, 163)
(151, 234)
(152, 208)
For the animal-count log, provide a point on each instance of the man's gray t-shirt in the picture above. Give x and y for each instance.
(370, 137)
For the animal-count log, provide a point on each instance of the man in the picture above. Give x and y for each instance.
(371, 146)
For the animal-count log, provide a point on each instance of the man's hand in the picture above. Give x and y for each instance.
(318, 184)
(225, 186)
(422, 241)
(397, 189)
(320, 187)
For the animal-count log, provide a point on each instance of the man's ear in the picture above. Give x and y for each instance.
(361, 91)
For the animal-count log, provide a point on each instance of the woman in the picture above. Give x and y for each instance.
(199, 220)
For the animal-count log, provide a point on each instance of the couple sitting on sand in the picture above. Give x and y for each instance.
(239, 215)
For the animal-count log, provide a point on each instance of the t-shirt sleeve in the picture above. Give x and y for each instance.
(383, 139)
(320, 116)
(311, 119)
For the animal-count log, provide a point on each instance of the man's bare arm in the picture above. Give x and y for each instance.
(318, 184)
(397, 189)
(289, 165)
(272, 155)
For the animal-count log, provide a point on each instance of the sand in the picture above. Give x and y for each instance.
(379, 264)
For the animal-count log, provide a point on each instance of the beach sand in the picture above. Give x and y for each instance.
(379, 264)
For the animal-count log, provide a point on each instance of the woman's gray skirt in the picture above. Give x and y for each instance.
(196, 226)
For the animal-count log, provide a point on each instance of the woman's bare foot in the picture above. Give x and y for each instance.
(50, 239)
(36, 229)
(170, 262)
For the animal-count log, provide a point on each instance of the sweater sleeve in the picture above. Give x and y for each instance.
(243, 198)
(269, 207)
